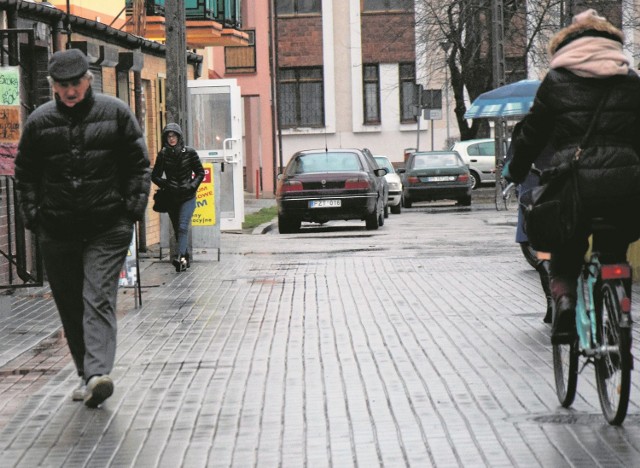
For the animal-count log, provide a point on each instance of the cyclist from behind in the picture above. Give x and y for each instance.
(587, 59)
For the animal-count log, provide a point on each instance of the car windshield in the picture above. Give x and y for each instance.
(423, 161)
(326, 162)
(384, 163)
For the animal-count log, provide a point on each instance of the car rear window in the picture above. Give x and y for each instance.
(384, 163)
(325, 162)
(423, 161)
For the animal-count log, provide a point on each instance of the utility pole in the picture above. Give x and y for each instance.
(176, 83)
(176, 44)
(499, 79)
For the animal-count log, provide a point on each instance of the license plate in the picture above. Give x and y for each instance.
(325, 203)
(439, 179)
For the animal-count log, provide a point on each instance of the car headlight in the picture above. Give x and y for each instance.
(394, 186)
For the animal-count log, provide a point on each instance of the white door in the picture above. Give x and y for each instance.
(215, 131)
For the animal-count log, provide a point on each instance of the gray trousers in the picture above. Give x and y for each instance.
(83, 275)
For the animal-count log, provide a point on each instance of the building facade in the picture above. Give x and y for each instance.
(346, 75)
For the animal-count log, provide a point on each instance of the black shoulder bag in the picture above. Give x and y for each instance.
(551, 210)
(162, 197)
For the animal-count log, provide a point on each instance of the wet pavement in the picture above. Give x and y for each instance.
(419, 344)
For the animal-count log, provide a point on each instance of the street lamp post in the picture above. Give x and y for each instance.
(445, 46)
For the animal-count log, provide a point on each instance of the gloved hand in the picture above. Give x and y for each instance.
(505, 172)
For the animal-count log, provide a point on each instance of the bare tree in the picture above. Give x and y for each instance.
(461, 31)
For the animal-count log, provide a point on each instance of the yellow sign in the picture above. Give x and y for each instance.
(205, 212)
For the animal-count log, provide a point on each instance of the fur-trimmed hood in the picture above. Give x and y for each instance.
(586, 24)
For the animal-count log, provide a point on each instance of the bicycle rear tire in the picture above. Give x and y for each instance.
(511, 198)
(613, 370)
(565, 370)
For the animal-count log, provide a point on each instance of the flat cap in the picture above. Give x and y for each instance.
(66, 65)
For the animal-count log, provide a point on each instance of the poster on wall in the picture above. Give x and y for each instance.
(9, 118)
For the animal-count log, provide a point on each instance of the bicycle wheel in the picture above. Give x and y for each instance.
(530, 254)
(565, 369)
(613, 368)
(511, 198)
(500, 202)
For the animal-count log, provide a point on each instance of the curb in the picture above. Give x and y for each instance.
(265, 227)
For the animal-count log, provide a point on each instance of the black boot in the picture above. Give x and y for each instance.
(187, 257)
(563, 330)
(543, 270)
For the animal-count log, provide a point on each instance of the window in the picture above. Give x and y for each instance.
(241, 59)
(301, 97)
(123, 85)
(408, 98)
(371, 93)
(387, 5)
(298, 7)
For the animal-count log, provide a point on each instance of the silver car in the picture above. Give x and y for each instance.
(394, 182)
(480, 156)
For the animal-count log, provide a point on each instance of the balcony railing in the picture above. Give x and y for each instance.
(226, 12)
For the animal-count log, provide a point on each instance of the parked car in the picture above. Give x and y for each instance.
(393, 181)
(385, 184)
(480, 156)
(435, 175)
(330, 184)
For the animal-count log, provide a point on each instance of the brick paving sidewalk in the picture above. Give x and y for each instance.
(420, 344)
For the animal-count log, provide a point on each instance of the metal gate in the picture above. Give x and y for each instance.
(20, 262)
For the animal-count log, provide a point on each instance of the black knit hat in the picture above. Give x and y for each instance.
(66, 65)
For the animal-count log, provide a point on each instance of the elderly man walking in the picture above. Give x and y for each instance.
(83, 178)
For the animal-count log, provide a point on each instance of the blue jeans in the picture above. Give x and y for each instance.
(180, 216)
(83, 274)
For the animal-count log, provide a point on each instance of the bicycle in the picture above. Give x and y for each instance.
(603, 323)
(509, 195)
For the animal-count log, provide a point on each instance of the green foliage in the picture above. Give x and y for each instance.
(265, 215)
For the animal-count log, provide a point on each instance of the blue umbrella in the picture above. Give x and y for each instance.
(514, 99)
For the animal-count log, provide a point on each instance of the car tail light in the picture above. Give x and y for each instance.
(618, 271)
(625, 305)
(463, 178)
(413, 179)
(291, 186)
(357, 184)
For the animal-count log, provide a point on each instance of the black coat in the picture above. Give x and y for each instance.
(80, 169)
(609, 171)
(181, 166)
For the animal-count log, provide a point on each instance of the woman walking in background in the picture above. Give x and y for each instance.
(183, 173)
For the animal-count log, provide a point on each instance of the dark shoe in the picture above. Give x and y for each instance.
(183, 264)
(99, 388)
(176, 263)
(187, 257)
(563, 330)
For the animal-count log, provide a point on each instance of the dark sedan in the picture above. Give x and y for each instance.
(333, 184)
(436, 175)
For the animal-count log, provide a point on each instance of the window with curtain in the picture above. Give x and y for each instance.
(408, 98)
(301, 97)
(371, 93)
(387, 5)
(298, 7)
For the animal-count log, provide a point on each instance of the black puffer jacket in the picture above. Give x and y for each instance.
(181, 166)
(609, 168)
(80, 169)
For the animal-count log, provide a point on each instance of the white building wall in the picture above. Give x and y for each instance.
(342, 55)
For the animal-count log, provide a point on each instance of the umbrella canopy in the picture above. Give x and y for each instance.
(513, 99)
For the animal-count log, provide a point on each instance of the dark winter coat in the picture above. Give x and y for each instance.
(181, 166)
(80, 169)
(610, 170)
